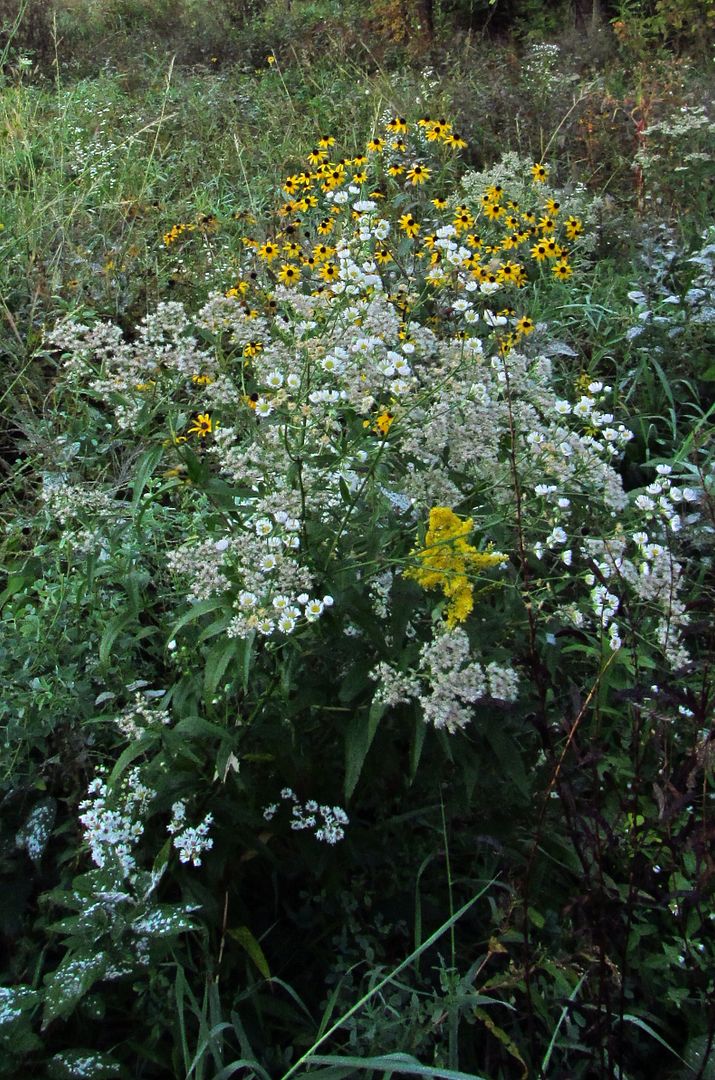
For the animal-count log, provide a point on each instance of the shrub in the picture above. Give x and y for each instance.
(341, 550)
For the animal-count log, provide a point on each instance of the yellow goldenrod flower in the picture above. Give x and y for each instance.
(447, 561)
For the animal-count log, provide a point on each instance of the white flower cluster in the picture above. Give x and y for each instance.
(113, 820)
(326, 821)
(448, 683)
(134, 720)
(191, 841)
(455, 682)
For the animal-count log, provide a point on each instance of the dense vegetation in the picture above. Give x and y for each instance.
(358, 522)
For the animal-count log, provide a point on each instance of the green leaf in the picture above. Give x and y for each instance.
(77, 1064)
(13, 1001)
(419, 734)
(216, 664)
(77, 973)
(14, 584)
(212, 603)
(398, 1063)
(247, 941)
(508, 755)
(133, 751)
(637, 1022)
(164, 920)
(111, 632)
(358, 738)
(506, 1040)
(35, 833)
(147, 463)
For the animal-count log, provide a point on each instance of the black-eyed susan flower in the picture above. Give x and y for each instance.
(289, 274)
(462, 219)
(525, 325)
(202, 426)
(508, 273)
(493, 211)
(437, 131)
(418, 174)
(408, 225)
(329, 272)
(539, 251)
(455, 141)
(269, 251)
(397, 125)
(322, 252)
(376, 146)
(439, 202)
(562, 270)
(539, 172)
(573, 228)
